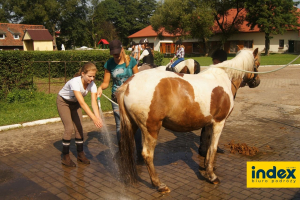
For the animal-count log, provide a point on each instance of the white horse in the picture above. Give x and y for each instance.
(182, 103)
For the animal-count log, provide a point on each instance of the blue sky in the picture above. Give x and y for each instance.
(298, 5)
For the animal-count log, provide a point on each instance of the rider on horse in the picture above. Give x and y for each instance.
(179, 54)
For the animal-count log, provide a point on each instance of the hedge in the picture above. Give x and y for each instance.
(18, 68)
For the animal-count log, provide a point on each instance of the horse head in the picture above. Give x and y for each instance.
(252, 80)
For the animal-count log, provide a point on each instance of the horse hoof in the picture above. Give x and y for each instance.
(163, 189)
(216, 181)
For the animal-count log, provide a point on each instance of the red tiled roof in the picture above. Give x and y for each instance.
(40, 35)
(149, 32)
(10, 29)
(231, 15)
(104, 41)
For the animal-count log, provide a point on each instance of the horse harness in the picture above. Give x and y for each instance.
(252, 81)
(235, 89)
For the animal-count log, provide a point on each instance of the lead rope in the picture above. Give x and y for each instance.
(110, 99)
(231, 68)
(259, 72)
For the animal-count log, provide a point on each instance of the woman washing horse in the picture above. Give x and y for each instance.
(69, 103)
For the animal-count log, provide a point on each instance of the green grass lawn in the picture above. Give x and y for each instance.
(43, 106)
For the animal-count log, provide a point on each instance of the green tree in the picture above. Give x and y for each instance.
(6, 13)
(53, 14)
(189, 18)
(125, 16)
(272, 17)
(100, 26)
(36, 12)
(228, 26)
(146, 9)
(73, 23)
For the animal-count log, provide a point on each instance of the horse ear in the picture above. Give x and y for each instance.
(255, 52)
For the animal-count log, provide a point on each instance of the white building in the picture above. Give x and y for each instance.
(289, 42)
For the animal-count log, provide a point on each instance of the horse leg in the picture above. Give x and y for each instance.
(210, 156)
(149, 144)
(204, 140)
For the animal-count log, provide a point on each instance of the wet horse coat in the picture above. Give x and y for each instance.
(179, 102)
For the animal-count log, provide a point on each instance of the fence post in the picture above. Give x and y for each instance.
(65, 71)
(49, 76)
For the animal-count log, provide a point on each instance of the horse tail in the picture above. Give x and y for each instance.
(197, 67)
(126, 144)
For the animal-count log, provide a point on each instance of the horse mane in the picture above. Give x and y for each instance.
(243, 60)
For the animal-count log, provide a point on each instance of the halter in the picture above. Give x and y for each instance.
(252, 80)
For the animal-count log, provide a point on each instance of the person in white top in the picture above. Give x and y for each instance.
(70, 100)
(137, 51)
(148, 55)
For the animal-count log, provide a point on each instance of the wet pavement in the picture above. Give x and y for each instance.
(267, 117)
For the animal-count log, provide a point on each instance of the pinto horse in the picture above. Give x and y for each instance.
(189, 66)
(181, 103)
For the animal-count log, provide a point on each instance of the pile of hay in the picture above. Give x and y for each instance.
(242, 149)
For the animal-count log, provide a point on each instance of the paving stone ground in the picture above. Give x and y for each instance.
(267, 117)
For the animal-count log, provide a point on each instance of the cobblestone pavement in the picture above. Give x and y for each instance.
(267, 117)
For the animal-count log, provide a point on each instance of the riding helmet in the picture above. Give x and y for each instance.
(144, 40)
(132, 43)
(178, 42)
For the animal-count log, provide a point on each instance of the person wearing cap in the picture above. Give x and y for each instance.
(218, 56)
(179, 54)
(147, 56)
(119, 68)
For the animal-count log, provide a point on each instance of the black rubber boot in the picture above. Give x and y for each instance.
(80, 154)
(66, 160)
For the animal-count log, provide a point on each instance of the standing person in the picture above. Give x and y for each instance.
(137, 52)
(217, 57)
(179, 54)
(70, 100)
(147, 56)
(133, 45)
(119, 68)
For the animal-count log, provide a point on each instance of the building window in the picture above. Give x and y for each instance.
(281, 44)
(168, 48)
(16, 36)
(2, 36)
(248, 44)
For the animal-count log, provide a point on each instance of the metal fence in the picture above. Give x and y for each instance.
(65, 71)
